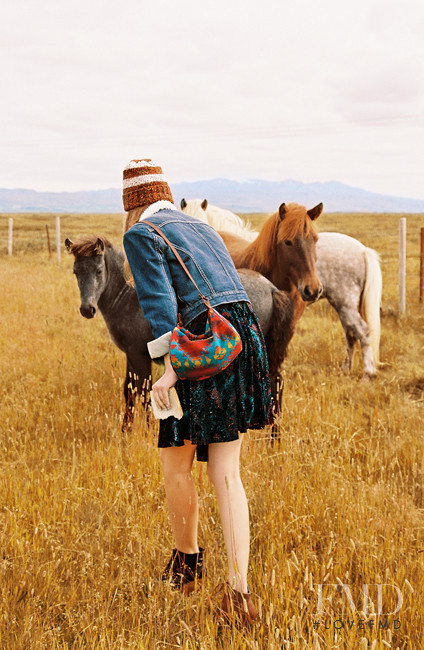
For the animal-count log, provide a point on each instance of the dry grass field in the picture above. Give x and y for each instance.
(83, 525)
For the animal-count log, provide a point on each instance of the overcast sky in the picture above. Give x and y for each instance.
(312, 91)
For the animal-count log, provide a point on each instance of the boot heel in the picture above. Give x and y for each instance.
(191, 586)
(237, 607)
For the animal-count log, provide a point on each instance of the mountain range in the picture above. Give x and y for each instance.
(238, 196)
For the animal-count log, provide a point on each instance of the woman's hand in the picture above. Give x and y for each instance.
(160, 389)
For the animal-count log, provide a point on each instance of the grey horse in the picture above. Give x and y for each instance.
(99, 269)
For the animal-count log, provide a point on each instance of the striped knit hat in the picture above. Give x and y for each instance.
(144, 183)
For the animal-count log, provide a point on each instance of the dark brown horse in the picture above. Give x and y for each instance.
(284, 252)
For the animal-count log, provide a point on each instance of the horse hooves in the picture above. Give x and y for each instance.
(275, 434)
(127, 423)
(346, 367)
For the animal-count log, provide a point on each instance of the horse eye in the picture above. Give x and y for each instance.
(99, 271)
(288, 242)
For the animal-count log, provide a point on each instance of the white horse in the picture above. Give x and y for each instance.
(218, 218)
(349, 272)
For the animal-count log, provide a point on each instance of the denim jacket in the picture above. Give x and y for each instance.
(162, 286)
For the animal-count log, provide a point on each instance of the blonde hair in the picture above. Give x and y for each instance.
(132, 217)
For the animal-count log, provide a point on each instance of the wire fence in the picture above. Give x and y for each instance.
(22, 234)
(37, 233)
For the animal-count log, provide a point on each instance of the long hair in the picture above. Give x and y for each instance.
(132, 217)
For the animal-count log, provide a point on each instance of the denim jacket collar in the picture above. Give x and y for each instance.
(155, 207)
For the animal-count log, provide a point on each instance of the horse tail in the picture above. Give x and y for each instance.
(371, 300)
(280, 331)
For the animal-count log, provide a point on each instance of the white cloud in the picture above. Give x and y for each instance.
(314, 91)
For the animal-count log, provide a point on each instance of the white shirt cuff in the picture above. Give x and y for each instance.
(159, 347)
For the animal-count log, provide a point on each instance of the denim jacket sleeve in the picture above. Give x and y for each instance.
(154, 288)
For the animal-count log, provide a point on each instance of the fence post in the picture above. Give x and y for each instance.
(49, 248)
(58, 239)
(422, 265)
(402, 265)
(10, 237)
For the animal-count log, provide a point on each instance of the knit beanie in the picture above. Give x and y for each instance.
(144, 183)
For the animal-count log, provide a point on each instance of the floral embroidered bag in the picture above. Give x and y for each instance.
(201, 356)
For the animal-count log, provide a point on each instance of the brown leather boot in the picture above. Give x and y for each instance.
(237, 607)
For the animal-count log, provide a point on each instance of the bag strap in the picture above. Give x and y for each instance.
(178, 256)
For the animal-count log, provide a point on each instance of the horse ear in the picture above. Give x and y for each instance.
(282, 211)
(204, 204)
(100, 246)
(68, 245)
(314, 213)
(183, 204)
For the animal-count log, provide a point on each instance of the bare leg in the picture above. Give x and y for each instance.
(181, 495)
(223, 471)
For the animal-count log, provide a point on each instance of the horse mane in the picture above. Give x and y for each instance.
(219, 218)
(261, 253)
(88, 246)
(296, 222)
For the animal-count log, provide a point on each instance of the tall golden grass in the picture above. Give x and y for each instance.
(83, 526)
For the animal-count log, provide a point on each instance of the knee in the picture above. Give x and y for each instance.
(177, 459)
(170, 472)
(223, 476)
(178, 481)
(175, 471)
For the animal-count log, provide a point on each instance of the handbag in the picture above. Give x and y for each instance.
(199, 356)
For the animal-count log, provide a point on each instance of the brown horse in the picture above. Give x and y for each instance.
(284, 252)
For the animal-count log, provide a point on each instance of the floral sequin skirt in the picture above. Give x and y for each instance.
(235, 400)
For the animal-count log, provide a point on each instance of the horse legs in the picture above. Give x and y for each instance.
(367, 356)
(136, 385)
(356, 329)
(130, 390)
(277, 387)
(350, 348)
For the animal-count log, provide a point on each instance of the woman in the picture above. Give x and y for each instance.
(216, 411)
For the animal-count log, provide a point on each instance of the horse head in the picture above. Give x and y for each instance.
(295, 250)
(193, 206)
(219, 218)
(284, 251)
(90, 270)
